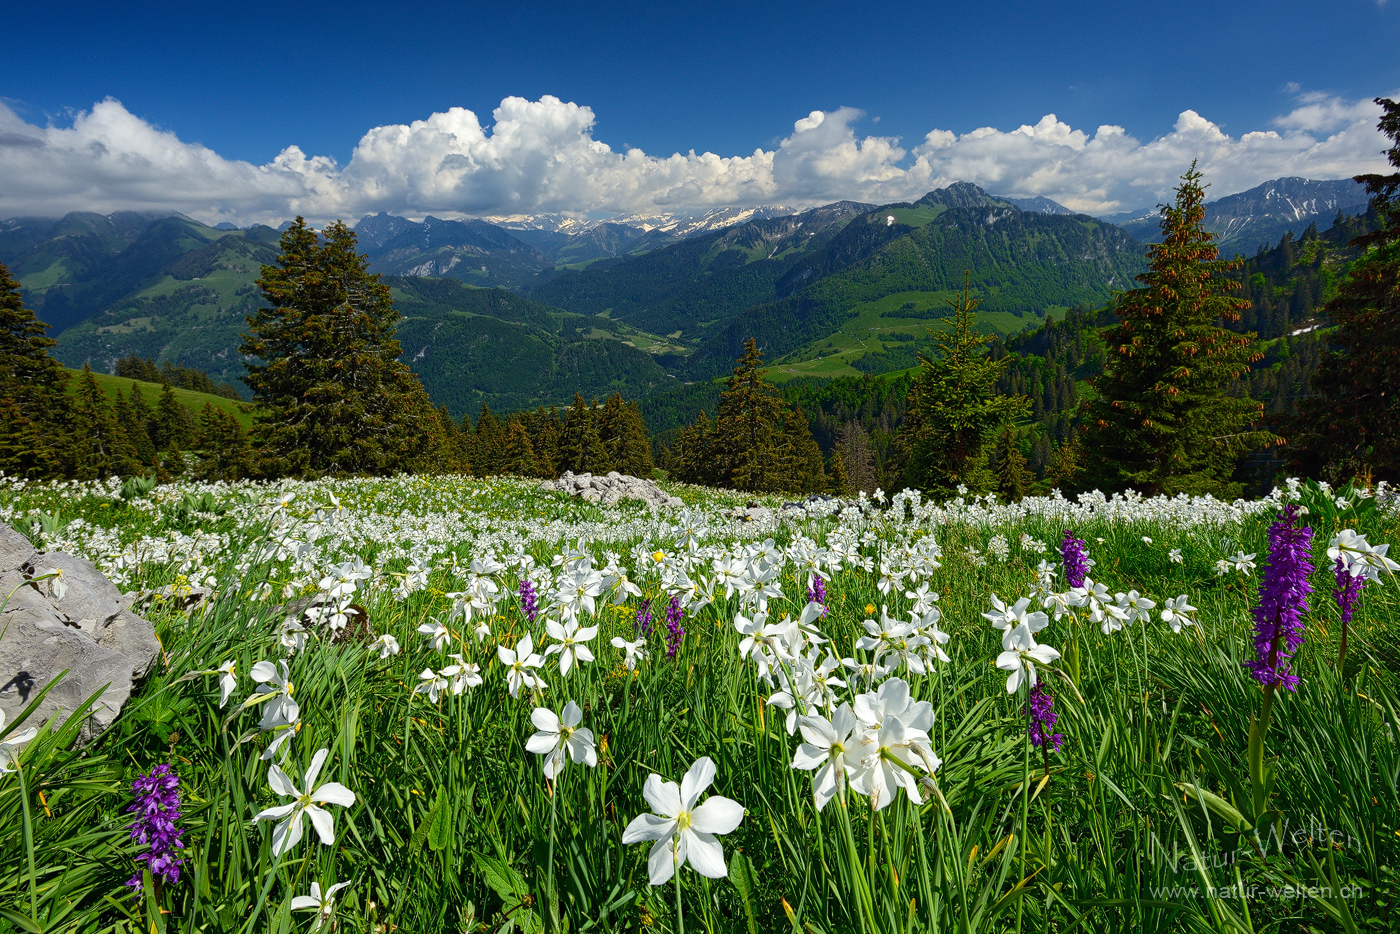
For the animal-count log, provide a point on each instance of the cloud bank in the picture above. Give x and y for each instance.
(541, 156)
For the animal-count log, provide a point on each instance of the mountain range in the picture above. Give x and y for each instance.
(1245, 221)
(528, 310)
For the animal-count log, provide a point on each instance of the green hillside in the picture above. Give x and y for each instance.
(151, 392)
(834, 300)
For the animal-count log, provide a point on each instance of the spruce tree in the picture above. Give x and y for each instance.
(801, 467)
(518, 454)
(1013, 479)
(1351, 426)
(581, 449)
(129, 419)
(1163, 421)
(544, 427)
(174, 427)
(694, 455)
(624, 436)
(747, 426)
(857, 456)
(33, 426)
(100, 449)
(838, 482)
(488, 444)
(142, 410)
(223, 447)
(1063, 470)
(954, 409)
(323, 363)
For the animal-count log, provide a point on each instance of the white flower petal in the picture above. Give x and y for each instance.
(323, 823)
(717, 815)
(704, 853)
(333, 793)
(648, 827)
(696, 780)
(663, 796)
(661, 862)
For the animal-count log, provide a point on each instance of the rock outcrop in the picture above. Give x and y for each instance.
(611, 489)
(77, 621)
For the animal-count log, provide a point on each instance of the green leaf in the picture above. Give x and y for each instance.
(439, 824)
(1224, 809)
(741, 876)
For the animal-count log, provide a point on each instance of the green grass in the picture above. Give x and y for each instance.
(455, 829)
(151, 392)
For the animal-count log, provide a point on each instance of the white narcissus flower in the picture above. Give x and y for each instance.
(321, 903)
(9, 746)
(569, 645)
(387, 645)
(635, 651)
(287, 833)
(1136, 606)
(1020, 663)
(831, 750)
(227, 680)
(560, 738)
(683, 831)
(1244, 563)
(54, 584)
(464, 675)
(1358, 556)
(1176, 613)
(430, 683)
(519, 661)
(275, 688)
(437, 634)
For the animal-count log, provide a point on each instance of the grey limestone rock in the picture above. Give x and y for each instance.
(89, 630)
(611, 489)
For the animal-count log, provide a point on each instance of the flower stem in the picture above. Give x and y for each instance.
(680, 919)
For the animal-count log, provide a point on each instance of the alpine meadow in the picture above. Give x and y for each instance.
(807, 542)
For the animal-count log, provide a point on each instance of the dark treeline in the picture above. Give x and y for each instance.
(134, 367)
(585, 438)
(757, 442)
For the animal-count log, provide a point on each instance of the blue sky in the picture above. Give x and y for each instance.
(249, 81)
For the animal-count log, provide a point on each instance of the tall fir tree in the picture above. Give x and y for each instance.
(838, 481)
(488, 443)
(801, 468)
(1163, 421)
(857, 456)
(222, 446)
(955, 409)
(332, 395)
(128, 417)
(544, 428)
(1013, 477)
(174, 428)
(518, 454)
(693, 457)
(581, 449)
(747, 426)
(624, 436)
(33, 426)
(101, 448)
(1351, 425)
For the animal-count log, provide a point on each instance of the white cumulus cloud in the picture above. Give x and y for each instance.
(538, 156)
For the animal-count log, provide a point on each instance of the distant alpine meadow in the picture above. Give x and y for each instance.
(427, 704)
